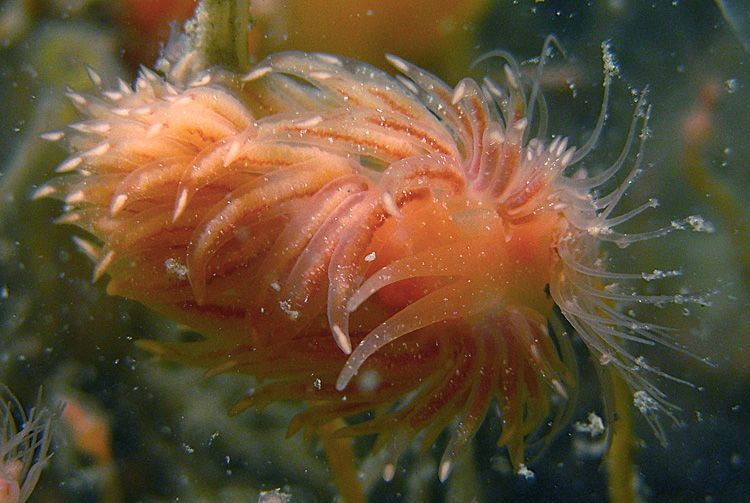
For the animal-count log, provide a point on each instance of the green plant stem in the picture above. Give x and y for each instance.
(620, 468)
(221, 28)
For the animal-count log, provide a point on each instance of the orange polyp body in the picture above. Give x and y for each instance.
(423, 224)
(530, 251)
(512, 262)
(364, 244)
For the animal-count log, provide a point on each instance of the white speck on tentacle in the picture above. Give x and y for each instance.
(390, 205)
(75, 97)
(459, 92)
(69, 164)
(98, 150)
(124, 87)
(389, 471)
(43, 191)
(232, 153)
(113, 95)
(95, 78)
(256, 73)
(180, 205)
(510, 76)
(397, 63)
(521, 124)
(52, 136)
(330, 59)
(342, 339)
(75, 197)
(308, 123)
(118, 202)
(202, 81)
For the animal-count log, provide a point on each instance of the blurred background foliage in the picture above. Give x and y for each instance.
(138, 430)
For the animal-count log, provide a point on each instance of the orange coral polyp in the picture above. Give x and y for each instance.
(361, 242)
(431, 242)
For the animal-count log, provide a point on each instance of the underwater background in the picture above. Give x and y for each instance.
(135, 429)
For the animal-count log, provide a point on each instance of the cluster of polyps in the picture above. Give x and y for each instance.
(364, 242)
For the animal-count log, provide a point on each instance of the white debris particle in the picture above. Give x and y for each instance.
(187, 448)
(644, 402)
(594, 425)
(599, 230)
(286, 306)
(275, 286)
(176, 268)
(274, 496)
(659, 274)
(370, 257)
(524, 472)
(318, 384)
(640, 362)
(699, 224)
(611, 68)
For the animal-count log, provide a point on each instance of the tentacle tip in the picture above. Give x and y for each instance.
(389, 471)
(398, 63)
(559, 388)
(118, 203)
(458, 93)
(52, 135)
(42, 192)
(70, 164)
(256, 73)
(343, 381)
(199, 294)
(103, 265)
(232, 153)
(198, 286)
(180, 204)
(445, 470)
(94, 77)
(88, 248)
(342, 339)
